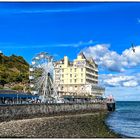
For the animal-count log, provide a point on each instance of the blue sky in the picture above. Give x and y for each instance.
(102, 30)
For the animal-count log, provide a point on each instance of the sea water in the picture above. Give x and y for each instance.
(126, 119)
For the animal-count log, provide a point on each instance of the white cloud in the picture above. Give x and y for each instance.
(124, 93)
(76, 44)
(46, 10)
(130, 83)
(117, 80)
(111, 60)
(39, 11)
(131, 58)
(138, 20)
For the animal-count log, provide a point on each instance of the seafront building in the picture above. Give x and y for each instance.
(77, 78)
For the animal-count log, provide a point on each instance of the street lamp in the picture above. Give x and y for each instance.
(17, 98)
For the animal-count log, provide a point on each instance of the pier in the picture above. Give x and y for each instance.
(110, 102)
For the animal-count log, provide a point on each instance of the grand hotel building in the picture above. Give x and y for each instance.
(77, 78)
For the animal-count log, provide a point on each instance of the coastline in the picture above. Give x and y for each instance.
(117, 135)
(85, 125)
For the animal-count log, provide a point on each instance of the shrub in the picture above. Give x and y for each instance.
(17, 87)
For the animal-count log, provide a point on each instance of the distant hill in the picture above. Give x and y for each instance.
(13, 69)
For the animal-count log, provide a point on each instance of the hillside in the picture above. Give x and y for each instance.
(13, 69)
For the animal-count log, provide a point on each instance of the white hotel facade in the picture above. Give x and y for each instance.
(77, 78)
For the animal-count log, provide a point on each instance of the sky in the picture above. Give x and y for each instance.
(104, 31)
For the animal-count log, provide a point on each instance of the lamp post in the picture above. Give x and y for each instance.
(17, 98)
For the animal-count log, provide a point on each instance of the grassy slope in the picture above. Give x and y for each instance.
(13, 69)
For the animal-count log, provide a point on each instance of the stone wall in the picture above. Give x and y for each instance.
(14, 111)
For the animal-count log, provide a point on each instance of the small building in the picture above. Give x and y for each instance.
(77, 78)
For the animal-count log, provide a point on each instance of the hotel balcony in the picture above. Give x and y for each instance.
(91, 73)
(91, 68)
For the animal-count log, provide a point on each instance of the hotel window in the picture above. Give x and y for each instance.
(81, 69)
(70, 75)
(62, 88)
(57, 71)
(70, 80)
(70, 70)
(62, 70)
(75, 80)
(81, 80)
(70, 88)
(82, 74)
(75, 69)
(62, 75)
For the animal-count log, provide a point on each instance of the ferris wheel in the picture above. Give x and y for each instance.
(41, 76)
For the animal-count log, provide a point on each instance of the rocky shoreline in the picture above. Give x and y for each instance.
(85, 125)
